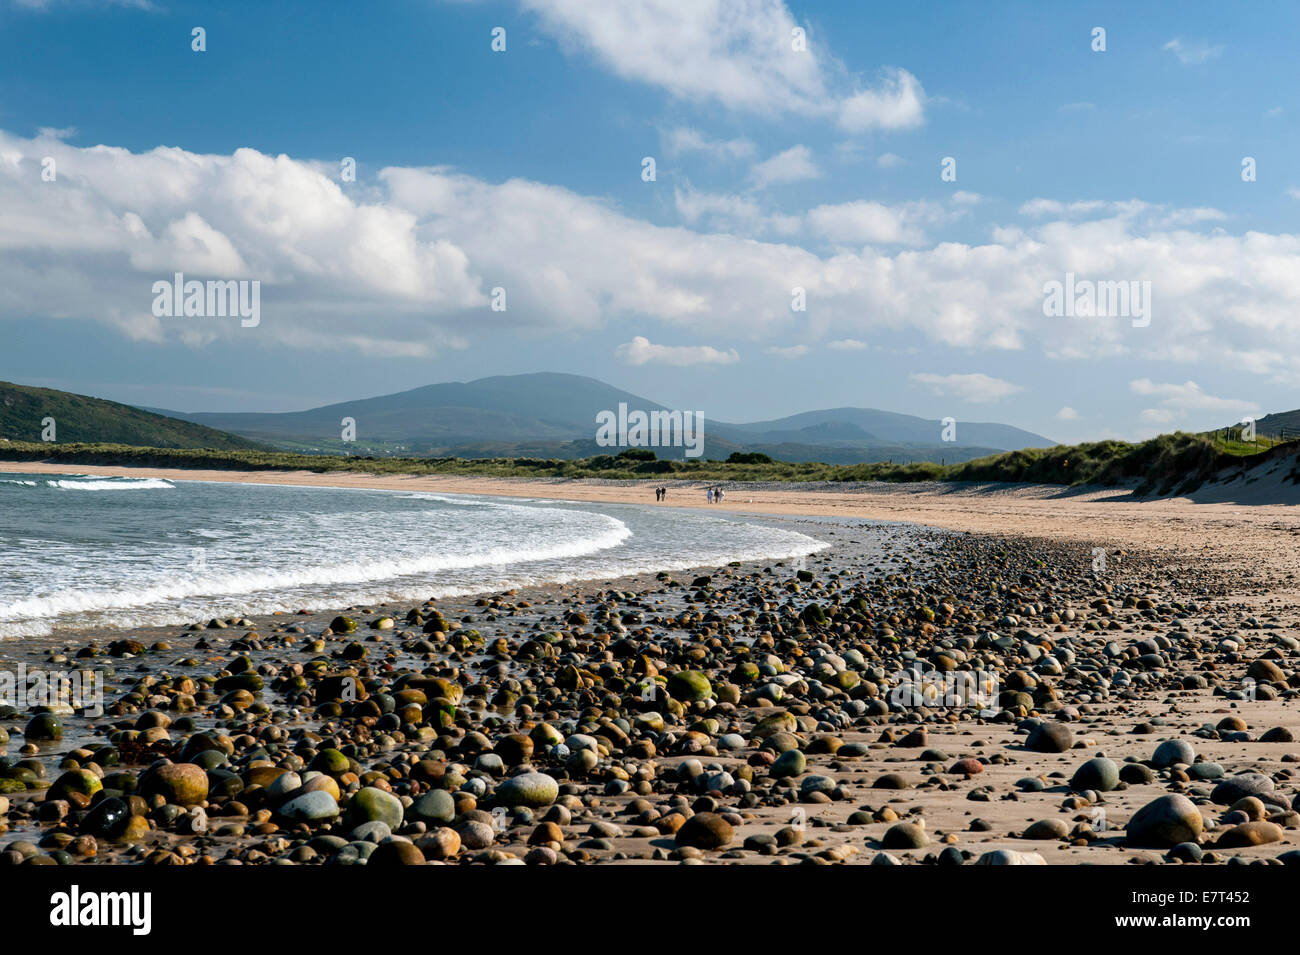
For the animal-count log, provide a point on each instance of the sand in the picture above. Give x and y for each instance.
(1238, 542)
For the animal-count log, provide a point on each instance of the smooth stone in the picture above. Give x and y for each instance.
(1173, 751)
(1050, 738)
(1098, 773)
(1248, 834)
(790, 763)
(905, 835)
(1245, 784)
(705, 830)
(395, 852)
(440, 844)
(1164, 823)
(435, 806)
(532, 789)
(689, 686)
(1185, 852)
(370, 804)
(181, 784)
(1047, 829)
(1010, 857)
(318, 806)
(375, 831)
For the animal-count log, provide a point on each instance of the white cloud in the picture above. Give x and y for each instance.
(737, 53)
(865, 222)
(793, 165)
(729, 213)
(1067, 414)
(1040, 208)
(405, 261)
(788, 351)
(1193, 52)
(897, 103)
(739, 211)
(846, 344)
(684, 139)
(1178, 401)
(640, 351)
(978, 388)
(890, 161)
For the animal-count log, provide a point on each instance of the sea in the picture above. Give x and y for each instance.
(80, 552)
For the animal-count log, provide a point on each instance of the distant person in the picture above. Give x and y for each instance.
(710, 495)
(717, 495)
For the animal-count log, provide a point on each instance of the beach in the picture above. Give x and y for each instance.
(1140, 656)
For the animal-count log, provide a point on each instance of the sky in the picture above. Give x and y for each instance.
(647, 192)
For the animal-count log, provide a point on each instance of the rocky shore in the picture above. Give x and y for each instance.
(962, 699)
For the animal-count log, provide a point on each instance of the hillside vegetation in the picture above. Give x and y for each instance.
(1169, 463)
(80, 418)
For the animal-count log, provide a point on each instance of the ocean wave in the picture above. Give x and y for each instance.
(267, 581)
(124, 484)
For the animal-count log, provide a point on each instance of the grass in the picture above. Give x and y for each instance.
(1178, 462)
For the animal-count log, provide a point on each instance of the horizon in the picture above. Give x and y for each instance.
(903, 185)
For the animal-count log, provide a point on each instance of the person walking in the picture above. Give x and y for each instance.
(710, 495)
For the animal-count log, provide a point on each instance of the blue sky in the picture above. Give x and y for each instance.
(775, 167)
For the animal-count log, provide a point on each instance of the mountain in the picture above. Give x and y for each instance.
(80, 418)
(840, 424)
(503, 410)
(554, 415)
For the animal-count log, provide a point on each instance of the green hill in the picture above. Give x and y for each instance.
(78, 418)
(548, 414)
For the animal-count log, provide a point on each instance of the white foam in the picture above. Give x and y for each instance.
(242, 584)
(126, 484)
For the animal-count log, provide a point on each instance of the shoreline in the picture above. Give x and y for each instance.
(1241, 530)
